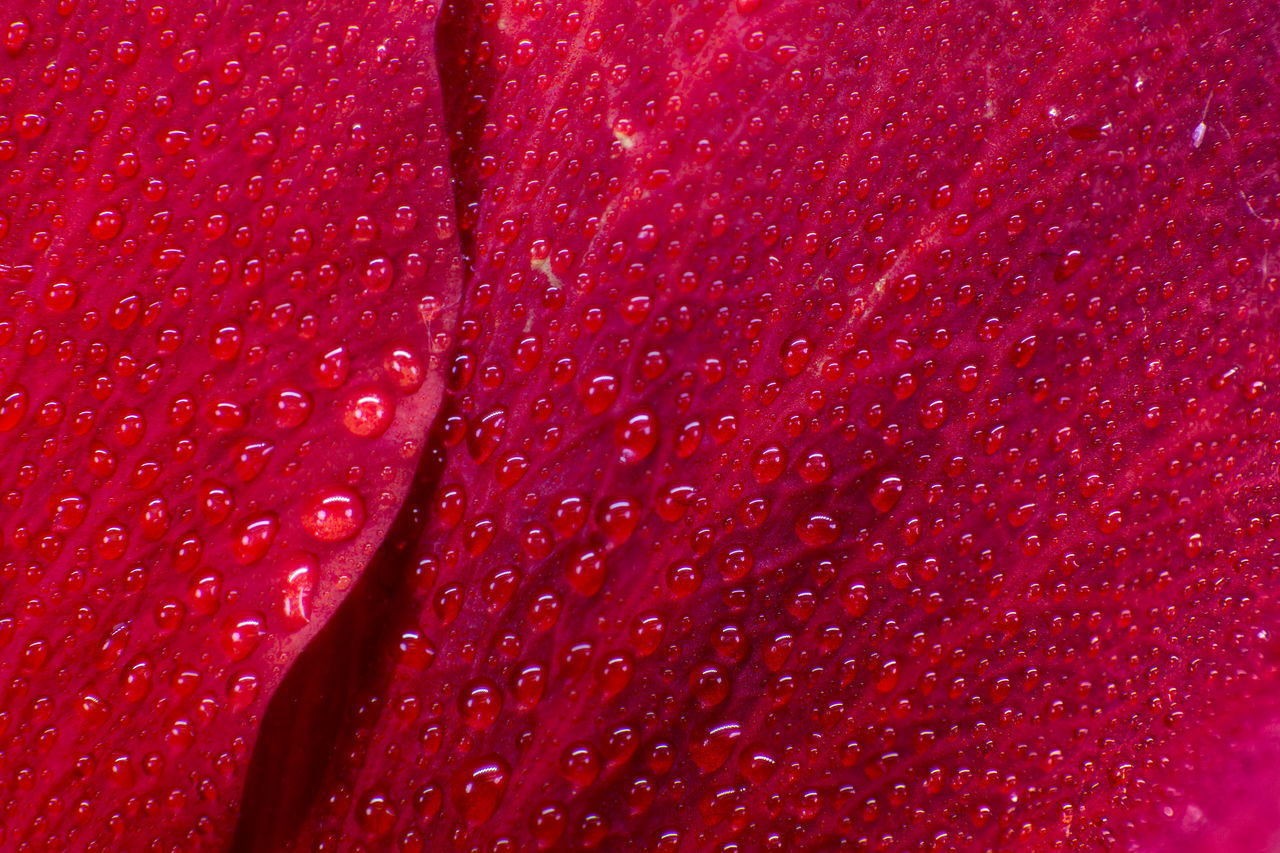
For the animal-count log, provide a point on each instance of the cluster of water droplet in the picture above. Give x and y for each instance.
(840, 428)
(228, 269)
(859, 432)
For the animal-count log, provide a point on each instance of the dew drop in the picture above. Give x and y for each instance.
(815, 467)
(618, 519)
(817, 529)
(290, 407)
(580, 764)
(636, 437)
(376, 815)
(480, 703)
(106, 225)
(855, 599)
(12, 407)
(712, 748)
(479, 786)
(241, 635)
(61, 296)
(331, 369)
(368, 413)
(769, 464)
(299, 572)
(334, 515)
(884, 497)
(405, 369)
(586, 572)
(253, 537)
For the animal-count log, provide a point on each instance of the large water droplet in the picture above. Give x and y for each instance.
(333, 515)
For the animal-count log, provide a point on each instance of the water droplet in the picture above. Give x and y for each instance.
(636, 437)
(478, 787)
(290, 407)
(106, 225)
(480, 703)
(375, 814)
(253, 537)
(241, 635)
(368, 413)
(769, 464)
(333, 515)
(299, 573)
(817, 529)
(884, 497)
(711, 749)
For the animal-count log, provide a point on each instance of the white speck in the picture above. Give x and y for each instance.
(1197, 135)
(628, 140)
(543, 266)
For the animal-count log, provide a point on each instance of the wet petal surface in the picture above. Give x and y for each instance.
(861, 435)
(229, 267)
(859, 426)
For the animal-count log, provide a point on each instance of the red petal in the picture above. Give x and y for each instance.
(228, 262)
(862, 435)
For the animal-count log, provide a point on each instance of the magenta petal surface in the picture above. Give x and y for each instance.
(229, 270)
(827, 426)
(861, 435)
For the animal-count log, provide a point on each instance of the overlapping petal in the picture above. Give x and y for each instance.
(230, 268)
(861, 435)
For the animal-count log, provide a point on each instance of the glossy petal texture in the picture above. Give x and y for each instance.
(861, 430)
(229, 269)
(862, 435)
